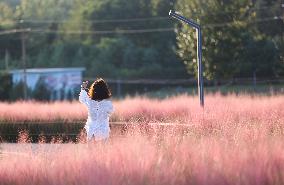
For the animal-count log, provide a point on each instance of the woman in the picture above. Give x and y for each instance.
(99, 107)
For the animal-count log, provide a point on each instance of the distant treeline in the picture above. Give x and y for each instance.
(122, 39)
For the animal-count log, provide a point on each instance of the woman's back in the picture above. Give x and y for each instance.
(99, 112)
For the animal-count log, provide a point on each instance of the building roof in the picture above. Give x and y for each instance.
(48, 70)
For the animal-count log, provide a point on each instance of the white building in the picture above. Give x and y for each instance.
(60, 81)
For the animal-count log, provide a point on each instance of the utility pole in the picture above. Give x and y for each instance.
(6, 60)
(23, 39)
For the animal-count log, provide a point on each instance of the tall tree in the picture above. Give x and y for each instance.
(226, 26)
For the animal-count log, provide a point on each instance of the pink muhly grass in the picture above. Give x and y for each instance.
(233, 140)
(180, 109)
(197, 158)
(33, 111)
(23, 137)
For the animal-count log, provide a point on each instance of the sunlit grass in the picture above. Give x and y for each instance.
(182, 108)
(233, 140)
(246, 153)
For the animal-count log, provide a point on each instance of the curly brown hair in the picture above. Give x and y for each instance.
(99, 90)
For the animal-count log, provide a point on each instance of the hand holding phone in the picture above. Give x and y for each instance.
(84, 84)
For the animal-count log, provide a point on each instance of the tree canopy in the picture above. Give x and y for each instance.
(136, 39)
(238, 39)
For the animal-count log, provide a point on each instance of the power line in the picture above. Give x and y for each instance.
(158, 18)
(156, 29)
(87, 32)
(95, 21)
(122, 20)
(253, 21)
(130, 31)
(105, 31)
(116, 20)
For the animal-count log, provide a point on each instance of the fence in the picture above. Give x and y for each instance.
(122, 87)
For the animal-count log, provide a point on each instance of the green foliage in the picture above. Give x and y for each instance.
(235, 42)
(17, 92)
(5, 16)
(127, 56)
(41, 92)
(122, 58)
(11, 3)
(226, 27)
(272, 11)
(261, 56)
(6, 85)
(110, 55)
(42, 15)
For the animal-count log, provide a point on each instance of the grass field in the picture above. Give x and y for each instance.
(181, 108)
(233, 140)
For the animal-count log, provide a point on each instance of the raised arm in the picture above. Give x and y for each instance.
(83, 96)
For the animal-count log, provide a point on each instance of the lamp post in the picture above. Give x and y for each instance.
(199, 51)
(23, 38)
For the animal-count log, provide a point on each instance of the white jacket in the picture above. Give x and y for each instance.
(97, 124)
